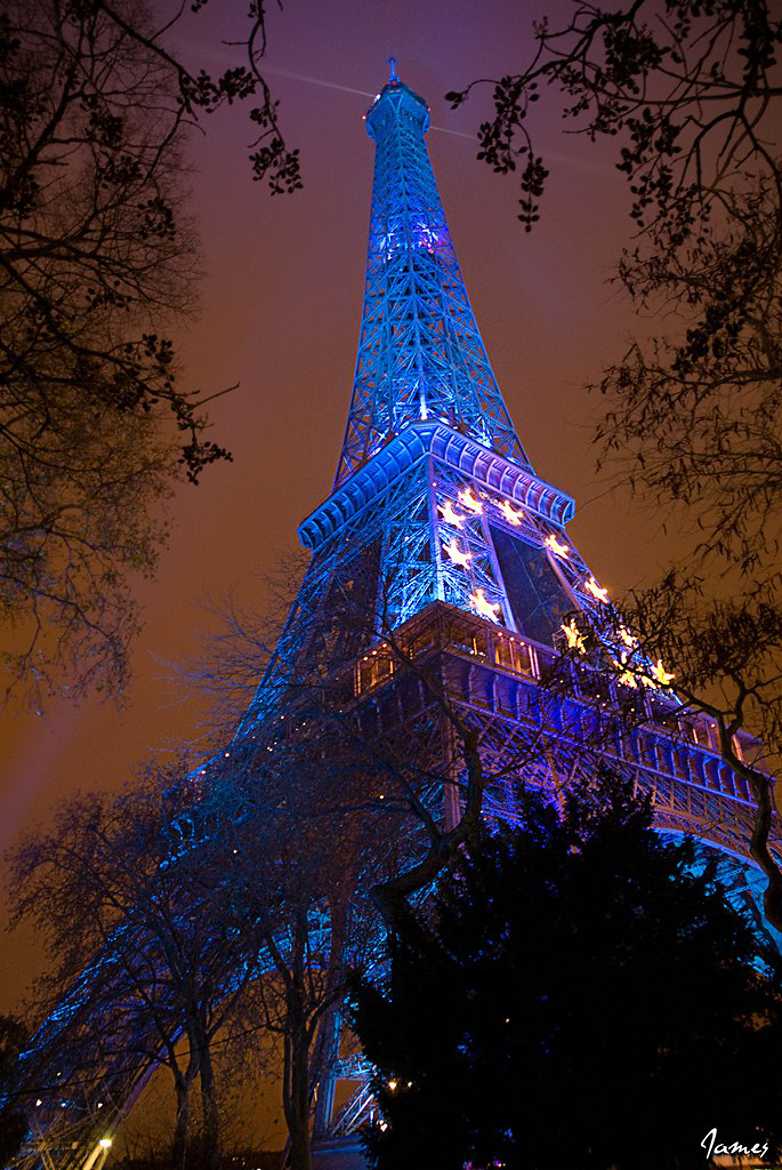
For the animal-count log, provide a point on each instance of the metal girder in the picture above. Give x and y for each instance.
(420, 353)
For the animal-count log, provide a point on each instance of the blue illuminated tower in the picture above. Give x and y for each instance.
(439, 529)
(433, 485)
(439, 534)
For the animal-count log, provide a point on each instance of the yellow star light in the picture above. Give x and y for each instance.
(661, 675)
(457, 555)
(556, 546)
(484, 607)
(625, 676)
(597, 591)
(446, 510)
(627, 638)
(575, 639)
(512, 515)
(470, 501)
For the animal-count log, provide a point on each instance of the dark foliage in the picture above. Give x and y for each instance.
(685, 88)
(98, 258)
(578, 996)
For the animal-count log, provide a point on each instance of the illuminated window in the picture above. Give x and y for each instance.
(512, 655)
(466, 638)
(372, 670)
(701, 733)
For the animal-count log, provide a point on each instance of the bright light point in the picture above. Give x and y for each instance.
(627, 638)
(485, 608)
(556, 546)
(105, 1143)
(457, 555)
(38, 1101)
(392, 1085)
(575, 639)
(470, 501)
(513, 515)
(597, 591)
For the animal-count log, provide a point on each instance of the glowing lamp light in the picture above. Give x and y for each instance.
(105, 1143)
(485, 608)
(468, 500)
(448, 514)
(575, 639)
(597, 591)
(661, 675)
(457, 555)
(392, 1085)
(512, 515)
(556, 546)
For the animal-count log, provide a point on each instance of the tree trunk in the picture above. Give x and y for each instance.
(183, 1082)
(296, 1096)
(211, 1117)
(759, 848)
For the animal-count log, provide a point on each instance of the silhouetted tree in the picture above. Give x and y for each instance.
(97, 258)
(13, 1123)
(693, 416)
(296, 859)
(145, 963)
(728, 667)
(576, 993)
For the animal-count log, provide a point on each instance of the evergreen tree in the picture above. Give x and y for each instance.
(578, 994)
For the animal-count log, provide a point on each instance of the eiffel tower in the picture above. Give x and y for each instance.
(443, 534)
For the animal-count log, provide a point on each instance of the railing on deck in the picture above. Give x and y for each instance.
(674, 748)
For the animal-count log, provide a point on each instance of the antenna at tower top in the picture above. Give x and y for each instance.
(392, 73)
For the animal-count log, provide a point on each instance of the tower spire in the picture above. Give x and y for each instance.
(420, 353)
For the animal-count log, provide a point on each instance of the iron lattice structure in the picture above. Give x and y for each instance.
(420, 353)
(439, 532)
